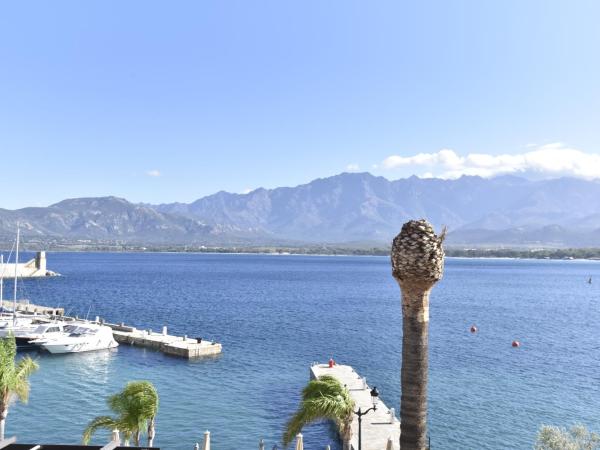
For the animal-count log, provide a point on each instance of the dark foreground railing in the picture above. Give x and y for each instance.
(70, 447)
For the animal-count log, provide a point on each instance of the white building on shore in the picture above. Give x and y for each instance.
(33, 268)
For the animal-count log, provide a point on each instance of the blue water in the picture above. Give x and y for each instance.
(277, 314)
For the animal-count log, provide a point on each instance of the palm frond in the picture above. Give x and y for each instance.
(98, 423)
(8, 351)
(322, 399)
(298, 421)
(14, 375)
(134, 406)
(138, 403)
(25, 367)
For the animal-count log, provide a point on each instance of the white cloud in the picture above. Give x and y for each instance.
(352, 167)
(153, 173)
(247, 191)
(546, 160)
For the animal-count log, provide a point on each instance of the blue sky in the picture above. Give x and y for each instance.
(170, 101)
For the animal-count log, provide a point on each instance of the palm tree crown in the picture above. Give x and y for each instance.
(417, 253)
(322, 399)
(134, 406)
(14, 378)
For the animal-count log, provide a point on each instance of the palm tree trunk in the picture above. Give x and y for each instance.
(346, 435)
(151, 432)
(3, 414)
(346, 443)
(415, 363)
(136, 438)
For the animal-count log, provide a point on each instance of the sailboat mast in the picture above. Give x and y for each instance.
(16, 276)
(1, 281)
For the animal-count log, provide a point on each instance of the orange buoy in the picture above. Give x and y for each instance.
(474, 329)
(516, 344)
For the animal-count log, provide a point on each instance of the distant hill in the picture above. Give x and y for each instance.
(107, 219)
(361, 207)
(350, 207)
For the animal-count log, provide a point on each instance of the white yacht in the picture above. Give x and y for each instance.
(42, 331)
(78, 337)
(15, 323)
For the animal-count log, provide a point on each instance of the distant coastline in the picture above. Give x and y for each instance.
(323, 250)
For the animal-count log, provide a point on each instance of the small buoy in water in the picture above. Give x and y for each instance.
(474, 329)
(516, 344)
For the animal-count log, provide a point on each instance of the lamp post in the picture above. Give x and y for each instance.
(359, 413)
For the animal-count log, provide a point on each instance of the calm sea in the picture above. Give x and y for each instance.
(275, 315)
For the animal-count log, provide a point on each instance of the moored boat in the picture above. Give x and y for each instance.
(78, 337)
(41, 331)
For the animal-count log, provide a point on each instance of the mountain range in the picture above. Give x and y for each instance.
(349, 208)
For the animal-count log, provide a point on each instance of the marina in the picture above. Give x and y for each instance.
(379, 426)
(22, 319)
(179, 346)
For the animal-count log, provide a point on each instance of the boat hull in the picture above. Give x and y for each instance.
(76, 347)
(24, 344)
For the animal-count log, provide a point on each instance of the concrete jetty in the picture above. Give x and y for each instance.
(25, 306)
(377, 426)
(33, 268)
(183, 347)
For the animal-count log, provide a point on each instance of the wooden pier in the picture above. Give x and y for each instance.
(377, 426)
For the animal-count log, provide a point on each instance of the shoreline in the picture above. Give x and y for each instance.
(573, 254)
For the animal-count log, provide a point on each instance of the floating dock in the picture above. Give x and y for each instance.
(377, 426)
(183, 347)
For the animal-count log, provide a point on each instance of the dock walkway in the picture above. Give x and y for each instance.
(377, 426)
(25, 306)
(183, 347)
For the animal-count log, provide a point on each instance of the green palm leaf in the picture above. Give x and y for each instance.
(14, 377)
(134, 406)
(322, 399)
(99, 423)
